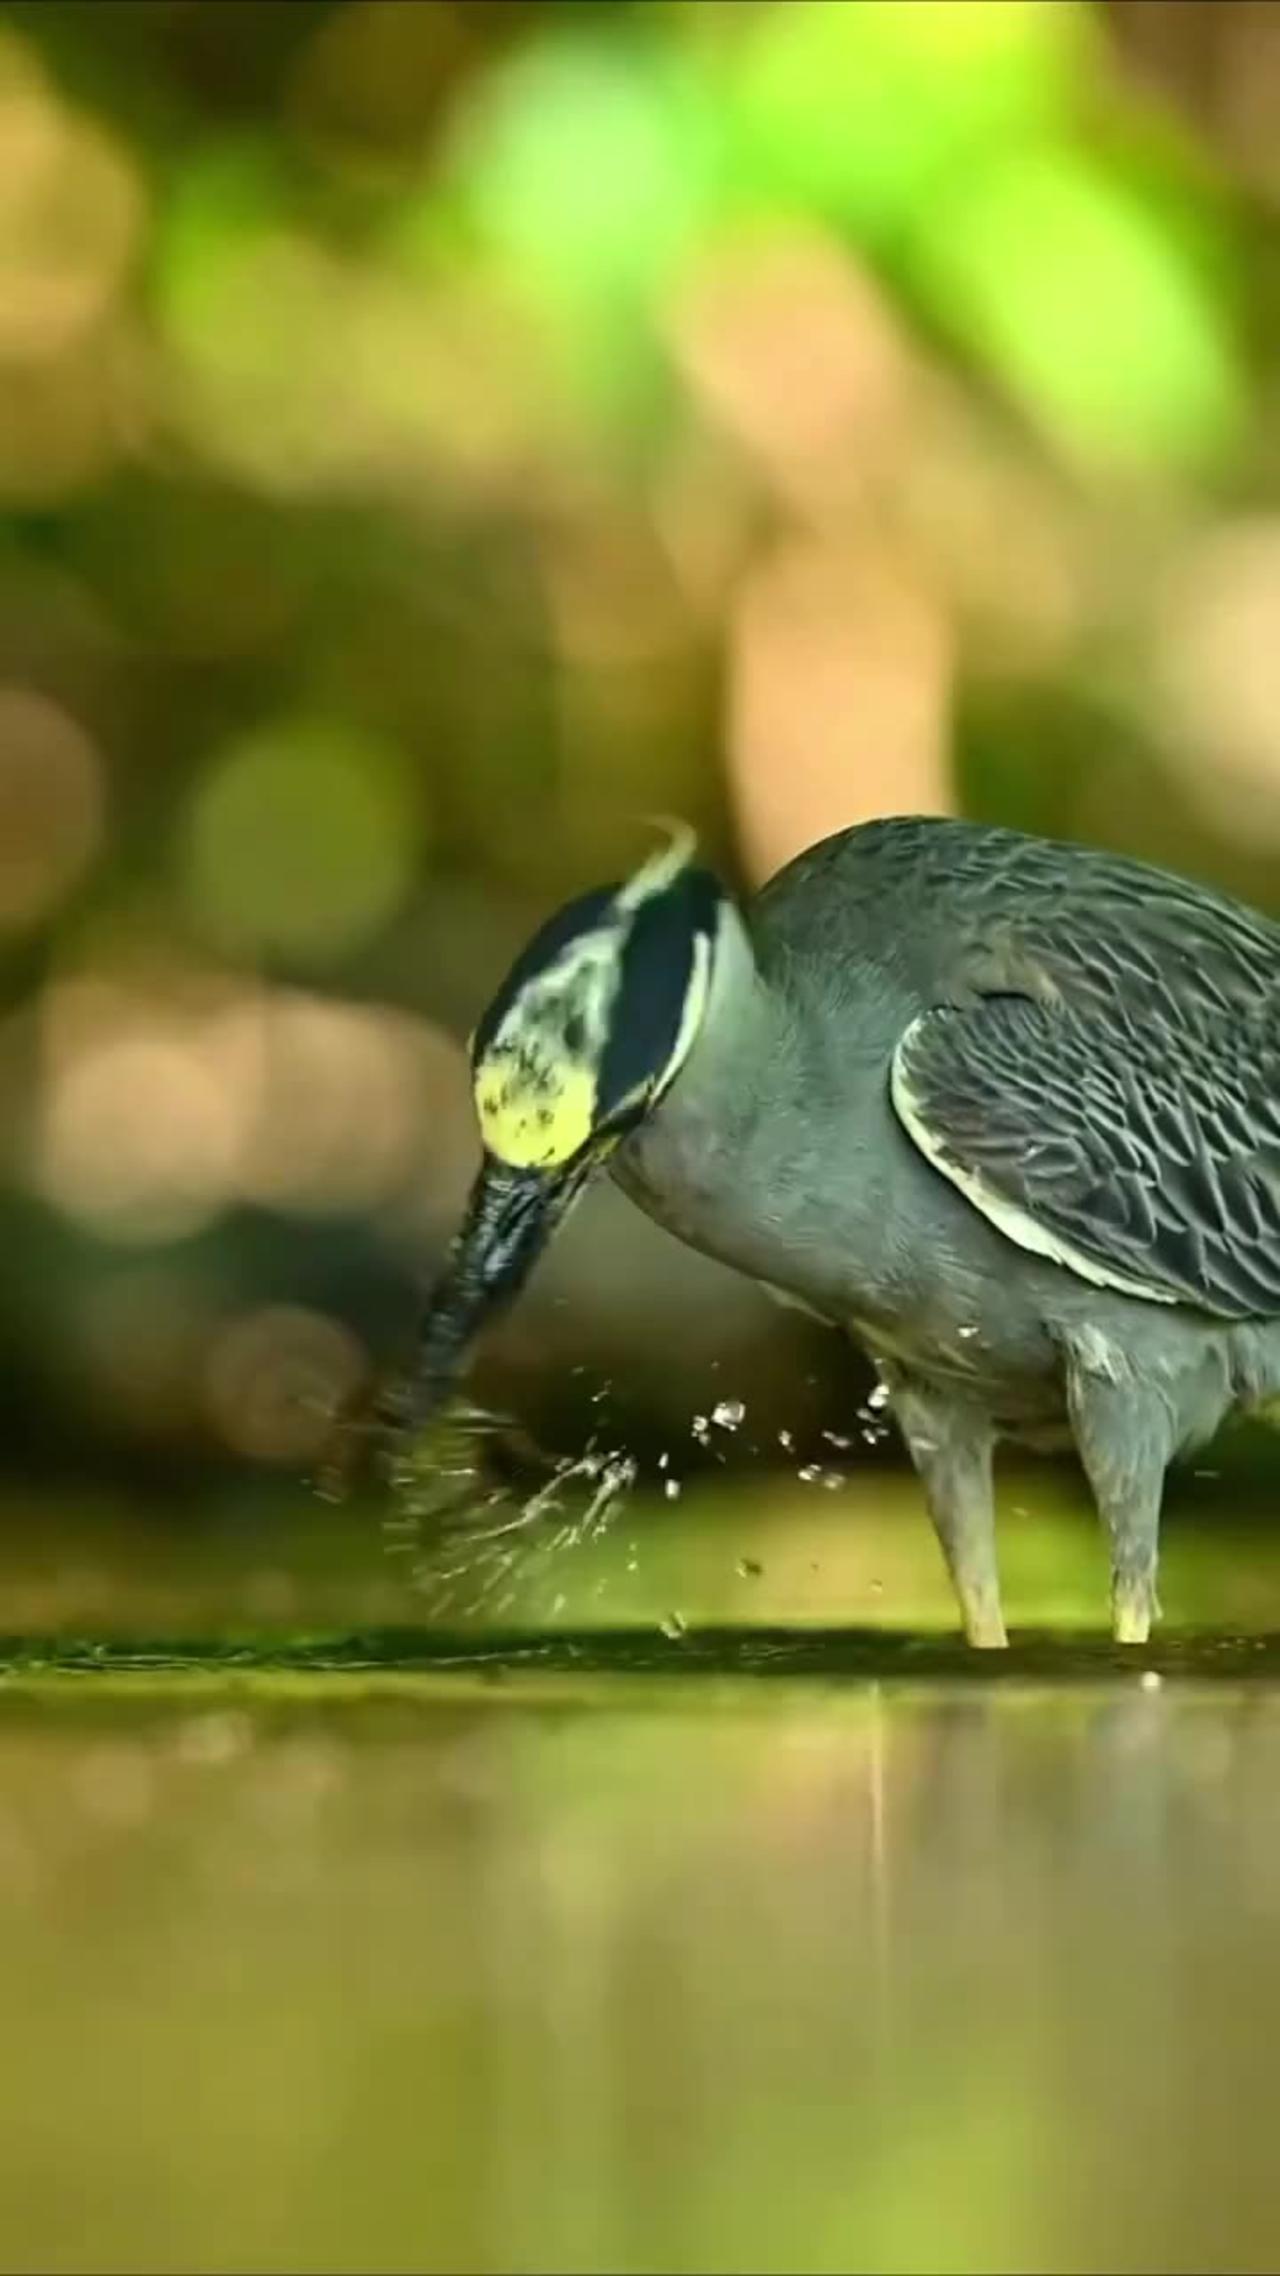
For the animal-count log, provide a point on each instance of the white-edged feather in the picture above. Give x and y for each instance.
(1015, 1223)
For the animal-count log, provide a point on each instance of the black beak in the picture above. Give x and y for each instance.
(510, 1218)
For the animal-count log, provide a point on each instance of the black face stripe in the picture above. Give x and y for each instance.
(585, 915)
(657, 968)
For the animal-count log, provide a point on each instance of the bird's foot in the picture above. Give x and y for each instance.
(1133, 1607)
(984, 1627)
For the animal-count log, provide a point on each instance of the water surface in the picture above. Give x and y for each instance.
(595, 1972)
(793, 1939)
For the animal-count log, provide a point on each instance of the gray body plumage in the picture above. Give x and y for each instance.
(1009, 1112)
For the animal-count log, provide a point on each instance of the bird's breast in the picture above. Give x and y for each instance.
(824, 1201)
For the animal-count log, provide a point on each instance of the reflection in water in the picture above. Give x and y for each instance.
(586, 1974)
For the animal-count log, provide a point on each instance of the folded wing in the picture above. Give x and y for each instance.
(1142, 1153)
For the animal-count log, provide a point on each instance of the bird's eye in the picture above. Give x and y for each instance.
(575, 1033)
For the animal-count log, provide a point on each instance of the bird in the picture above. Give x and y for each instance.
(1003, 1109)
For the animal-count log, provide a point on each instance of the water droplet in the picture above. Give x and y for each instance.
(728, 1413)
(673, 1625)
(966, 1332)
(786, 1438)
(809, 1473)
(837, 1439)
(1150, 1679)
(671, 1489)
(878, 1398)
(748, 1569)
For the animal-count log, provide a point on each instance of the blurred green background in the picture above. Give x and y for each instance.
(433, 438)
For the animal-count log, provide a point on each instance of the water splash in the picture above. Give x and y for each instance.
(479, 1540)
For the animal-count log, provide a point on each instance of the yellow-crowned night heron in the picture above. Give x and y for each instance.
(1006, 1110)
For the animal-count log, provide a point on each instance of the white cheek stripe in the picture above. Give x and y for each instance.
(695, 1004)
(1015, 1223)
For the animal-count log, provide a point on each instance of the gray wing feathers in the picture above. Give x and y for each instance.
(1092, 1046)
(1144, 1155)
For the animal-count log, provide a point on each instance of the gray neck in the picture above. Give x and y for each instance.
(775, 1148)
(696, 1159)
(746, 1026)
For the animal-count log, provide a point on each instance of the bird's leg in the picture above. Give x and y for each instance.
(950, 1443)
(1124, 1434)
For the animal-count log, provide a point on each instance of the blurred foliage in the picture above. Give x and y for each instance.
(434, 436)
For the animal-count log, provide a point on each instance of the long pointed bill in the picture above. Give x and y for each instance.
(510, 1218)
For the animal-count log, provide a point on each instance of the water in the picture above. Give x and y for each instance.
(586, 1972)
(792, 1937)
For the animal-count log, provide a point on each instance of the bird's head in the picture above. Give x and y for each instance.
(591, 1025)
